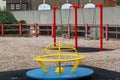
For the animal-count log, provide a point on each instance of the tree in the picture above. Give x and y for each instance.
(7, 18)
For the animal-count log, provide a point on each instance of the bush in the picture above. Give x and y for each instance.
(7, 18)
(25, 27)
(22, 22)
(118, 2)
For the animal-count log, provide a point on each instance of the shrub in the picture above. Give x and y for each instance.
(7, 18)
(22, 21)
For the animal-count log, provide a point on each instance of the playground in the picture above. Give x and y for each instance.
(60, 58)
(17, 53)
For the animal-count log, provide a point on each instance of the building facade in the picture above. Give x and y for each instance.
(43, 4)
(18, 5)
(36, 3)
(2, 4)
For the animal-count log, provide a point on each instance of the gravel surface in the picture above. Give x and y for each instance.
(18, 52)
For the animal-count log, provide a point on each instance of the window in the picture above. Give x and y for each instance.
(44, 6)
(66, 6)
(24, 6)
(12, 6)
(89, 5)
(17, 6)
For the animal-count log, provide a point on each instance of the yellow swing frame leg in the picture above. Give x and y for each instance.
(75, 65)
(43, 66)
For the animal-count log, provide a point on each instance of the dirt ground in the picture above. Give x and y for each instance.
(18, 52)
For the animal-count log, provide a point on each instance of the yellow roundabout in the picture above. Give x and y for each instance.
(62, 52)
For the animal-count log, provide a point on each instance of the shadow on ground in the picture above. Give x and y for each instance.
(81, 49)
(90, 49)
(100, 74)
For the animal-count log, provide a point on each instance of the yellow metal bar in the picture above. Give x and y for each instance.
(57, 50)
(67, 54)
(43, 51)
(43, 66)
(49, 46)
(59, 67)
(57, 60)
(59, 63)
(51, 50)
(46, 59)
(75, 65)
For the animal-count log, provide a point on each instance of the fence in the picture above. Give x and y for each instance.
(84, 30)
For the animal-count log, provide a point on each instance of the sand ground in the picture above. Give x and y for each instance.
(18, 52)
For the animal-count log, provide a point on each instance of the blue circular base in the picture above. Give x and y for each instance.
(39, 74)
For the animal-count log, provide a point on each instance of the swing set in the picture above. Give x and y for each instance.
(58, 54)
(76, 7)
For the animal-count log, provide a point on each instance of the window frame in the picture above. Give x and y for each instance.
(24, 6)
(12, 6)
(17, 6)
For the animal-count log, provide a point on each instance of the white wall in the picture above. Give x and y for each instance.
(111, 15)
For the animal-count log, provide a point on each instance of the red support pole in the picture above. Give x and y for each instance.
(107, 32)
(86, 31)
(76, 23)
(20, 29)
(36, 30)
(54, 23)
(2, 29)
(76, 27)
(101, 25)
(68, 31)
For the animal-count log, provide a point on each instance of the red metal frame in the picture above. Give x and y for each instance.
(75, 7)
(76, 24)
(101, 25)
(36, 30)
(20, 29)
(54, 23)
(106, 32)
(2, 29)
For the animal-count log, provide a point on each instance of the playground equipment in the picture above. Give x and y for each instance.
(63, 52)
(60, 52)
(75, 7)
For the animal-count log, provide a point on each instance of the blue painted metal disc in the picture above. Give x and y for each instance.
(39, 74)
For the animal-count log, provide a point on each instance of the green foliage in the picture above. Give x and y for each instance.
(24, 27)
(22, 22)
(7, 18)
(63, 30)
(118, 2)
(72, 28)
